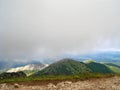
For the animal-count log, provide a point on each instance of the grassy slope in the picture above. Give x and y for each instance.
(71, 67)
(115, 68)
(30, 72)
(99, 68)
(57, 78)
(65, 67)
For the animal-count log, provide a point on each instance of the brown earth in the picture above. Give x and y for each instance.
(112, 83)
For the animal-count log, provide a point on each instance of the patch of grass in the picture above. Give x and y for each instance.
(114, 69)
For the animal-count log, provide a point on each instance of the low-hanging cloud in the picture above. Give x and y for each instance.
(47, 28)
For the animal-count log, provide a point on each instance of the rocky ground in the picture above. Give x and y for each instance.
(112, 83)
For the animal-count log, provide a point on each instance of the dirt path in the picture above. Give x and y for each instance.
(112, 83)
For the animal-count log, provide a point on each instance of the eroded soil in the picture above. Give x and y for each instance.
(112, 83)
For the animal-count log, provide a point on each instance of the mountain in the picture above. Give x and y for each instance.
(115, 68)
(65, 67)
(72, 67)
(98, 67)
(29, 69)
(99, 56)
(6, 75)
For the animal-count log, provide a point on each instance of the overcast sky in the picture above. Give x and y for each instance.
(36, 29)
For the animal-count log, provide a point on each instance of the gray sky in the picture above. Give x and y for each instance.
(33, 29)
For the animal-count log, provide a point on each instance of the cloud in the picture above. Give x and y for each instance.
(37, 29)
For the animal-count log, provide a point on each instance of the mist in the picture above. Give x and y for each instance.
(38, 29)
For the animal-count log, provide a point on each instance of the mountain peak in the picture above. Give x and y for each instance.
(66, 60)
(65, 67)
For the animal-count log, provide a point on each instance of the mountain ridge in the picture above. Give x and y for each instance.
(28, 67)
(72, 67)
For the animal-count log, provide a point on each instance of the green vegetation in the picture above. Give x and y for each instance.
(57, 78)
(6, 75)
(116, 63)
(99, 68)
(71, 67)
(115, 68)
(30, 72)
(65, 67)
(89, 61)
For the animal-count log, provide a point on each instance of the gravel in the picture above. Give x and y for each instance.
(112, 83)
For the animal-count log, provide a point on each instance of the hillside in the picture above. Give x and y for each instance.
(72, 67)
(6, 75)
(115, 68)
(99, 68)
(65, 67)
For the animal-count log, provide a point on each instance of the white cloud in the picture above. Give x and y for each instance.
(48, 28)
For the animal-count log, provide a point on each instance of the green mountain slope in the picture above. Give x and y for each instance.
(99, 68)
(65, 67)
(115, 68)
(72, 67)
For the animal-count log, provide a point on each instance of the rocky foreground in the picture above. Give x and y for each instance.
(112, 83)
